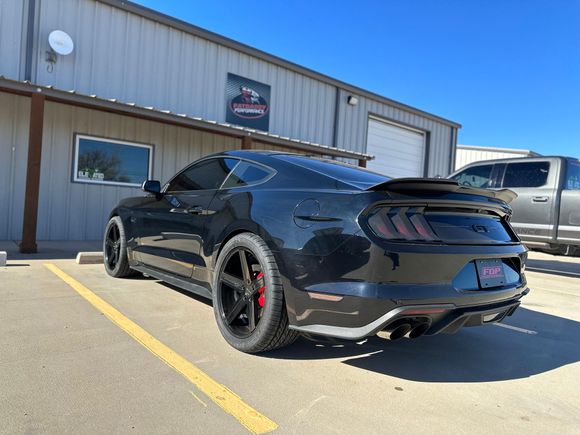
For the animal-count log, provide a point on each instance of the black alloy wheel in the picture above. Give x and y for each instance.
(241, 292)
(248, 296)
(115, 250)
(112, 246)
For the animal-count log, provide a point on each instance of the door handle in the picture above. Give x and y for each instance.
(178, 210)
(540, 199)
(196, 209)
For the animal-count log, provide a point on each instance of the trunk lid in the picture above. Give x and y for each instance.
(439, 211)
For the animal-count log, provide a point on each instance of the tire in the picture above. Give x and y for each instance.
(233, 292)
(115, 250)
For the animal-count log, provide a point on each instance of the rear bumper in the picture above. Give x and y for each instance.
(442, 318)
(361, 288)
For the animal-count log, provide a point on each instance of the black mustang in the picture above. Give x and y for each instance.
(287, 244)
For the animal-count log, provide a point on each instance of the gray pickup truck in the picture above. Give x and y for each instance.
(546, 213)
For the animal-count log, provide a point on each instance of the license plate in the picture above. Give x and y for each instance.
(490, 273)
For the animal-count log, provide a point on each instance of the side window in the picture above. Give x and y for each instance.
(247, 173)
(526, 174)
(476, 176)
(208, 174)
(573, 175)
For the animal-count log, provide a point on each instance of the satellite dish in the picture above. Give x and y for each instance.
(60, 42)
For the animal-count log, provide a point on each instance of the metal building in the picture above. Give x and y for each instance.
(466, 154)
(143, 94)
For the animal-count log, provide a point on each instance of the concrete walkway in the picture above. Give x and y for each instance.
(51, 249)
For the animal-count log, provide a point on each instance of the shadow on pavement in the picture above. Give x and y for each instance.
(191, 295)
(559, 267)
(482, 354)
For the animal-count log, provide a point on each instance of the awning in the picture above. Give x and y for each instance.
(95, 102)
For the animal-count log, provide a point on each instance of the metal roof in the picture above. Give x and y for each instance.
(254, 52)
(180, 119)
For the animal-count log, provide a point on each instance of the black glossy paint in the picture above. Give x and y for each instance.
(315, 222)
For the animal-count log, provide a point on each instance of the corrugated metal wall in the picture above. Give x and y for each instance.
(14, 114)
(465, 156)
(124, 56)
(12, 38)
(131, 58)
(76, 211)
(135, 59)
(353, 124)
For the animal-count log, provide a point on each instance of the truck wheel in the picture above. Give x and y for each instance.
(248, 297)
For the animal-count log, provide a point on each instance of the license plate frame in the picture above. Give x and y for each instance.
(490, 273)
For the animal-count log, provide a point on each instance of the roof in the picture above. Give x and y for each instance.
(514, 160)
(254, 52)
(344, 173)
(498, 150)
(180, 119)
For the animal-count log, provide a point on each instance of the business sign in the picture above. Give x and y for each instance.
(248, 103)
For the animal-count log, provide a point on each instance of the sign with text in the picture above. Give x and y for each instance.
(248, 103)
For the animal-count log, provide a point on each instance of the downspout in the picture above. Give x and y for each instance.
(30, 27)
(453, 149)
(336, 115)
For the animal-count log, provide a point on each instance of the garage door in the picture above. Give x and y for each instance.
(399, 151)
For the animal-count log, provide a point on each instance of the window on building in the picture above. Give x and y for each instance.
(246, 173)
(205, 175)
(108, 161)
(528, 174)
(573, 175)
(476, 176)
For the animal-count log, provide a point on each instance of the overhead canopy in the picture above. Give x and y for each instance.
(183, 120)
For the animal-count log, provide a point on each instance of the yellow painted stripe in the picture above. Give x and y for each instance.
(253, 420)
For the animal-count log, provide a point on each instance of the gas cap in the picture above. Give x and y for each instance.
(305, 211)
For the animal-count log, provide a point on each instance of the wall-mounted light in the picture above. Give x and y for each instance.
(352, 100)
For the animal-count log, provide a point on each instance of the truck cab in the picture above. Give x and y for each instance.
(546, 213)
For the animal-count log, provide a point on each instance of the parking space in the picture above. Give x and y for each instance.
(66, 367)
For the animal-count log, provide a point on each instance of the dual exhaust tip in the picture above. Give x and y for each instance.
(405, 329)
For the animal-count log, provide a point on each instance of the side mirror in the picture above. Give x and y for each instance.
(151, 186)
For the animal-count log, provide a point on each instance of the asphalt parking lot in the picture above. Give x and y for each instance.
(66, 367)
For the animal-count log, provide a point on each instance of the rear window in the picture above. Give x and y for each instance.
(528, 174)
(350, 174)
(246, 173)
(573, 175)
(476, 176)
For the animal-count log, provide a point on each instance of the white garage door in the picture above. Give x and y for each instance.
(399, 152)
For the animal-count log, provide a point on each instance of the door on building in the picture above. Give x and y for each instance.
(399, 151)
(171, 229)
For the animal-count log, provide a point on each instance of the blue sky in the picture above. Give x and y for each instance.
(507, 70)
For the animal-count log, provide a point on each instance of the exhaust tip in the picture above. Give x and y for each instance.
(419, 330)
(396, 332)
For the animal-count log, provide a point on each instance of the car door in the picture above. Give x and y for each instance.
(534, 210)
(569, 220)
(172, 226)
(232, 205)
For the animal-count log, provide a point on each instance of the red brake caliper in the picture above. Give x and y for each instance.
(261, 299)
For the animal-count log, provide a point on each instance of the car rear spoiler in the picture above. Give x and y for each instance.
(410, 185)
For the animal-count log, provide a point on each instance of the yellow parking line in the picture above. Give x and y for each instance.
(253, 420)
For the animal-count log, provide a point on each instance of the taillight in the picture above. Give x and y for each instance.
(401, 223)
